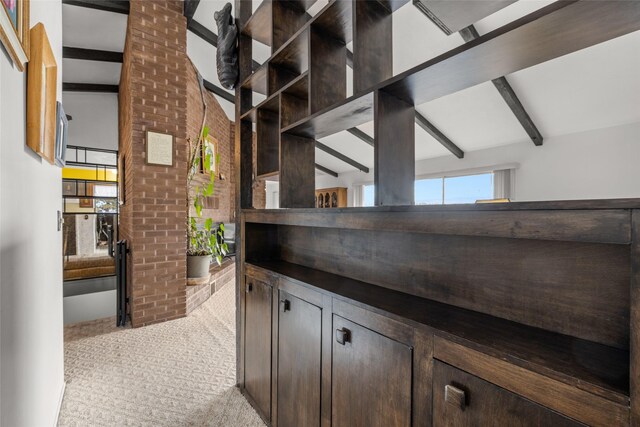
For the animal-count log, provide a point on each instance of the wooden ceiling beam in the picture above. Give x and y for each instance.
(209, 36)
(508, 94)
(452, 16)
(420, 120)
(115, 6)
(362, 135)
(190, 7)
(439, 136)
(326, 170)
(340, 156)
(219, 91)
(89, 87)
(91, 54)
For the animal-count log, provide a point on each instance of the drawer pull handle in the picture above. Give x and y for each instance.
(249, 287)
(343, 336)
(455, 397)
(286, 305)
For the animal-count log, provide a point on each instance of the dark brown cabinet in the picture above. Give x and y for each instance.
(371, 378)
(461, 399)
(299, 362)
(257, 359)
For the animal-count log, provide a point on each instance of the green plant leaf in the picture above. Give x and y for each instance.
(221, 226)
(205, 132)
(208, 224)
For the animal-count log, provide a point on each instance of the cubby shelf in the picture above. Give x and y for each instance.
(296, 87)
(258, 27)
(498, 53)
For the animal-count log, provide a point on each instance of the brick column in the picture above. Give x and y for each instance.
(153, 96)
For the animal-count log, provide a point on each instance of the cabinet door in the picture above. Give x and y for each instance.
(299, 362)
(461, 399)
(371, 378)
(257, 359)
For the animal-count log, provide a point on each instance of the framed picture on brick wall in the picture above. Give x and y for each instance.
(159, 149)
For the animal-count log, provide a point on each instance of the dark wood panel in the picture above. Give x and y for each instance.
(371, 379)
(257, 362)
(299, 362)
(258, 26)
(261, 242)
(394, 156)
(634, 373)
(460, 399)
(278, 78)
(597, 226)
(372, 44)
(598, 369)
(268, 142)
(563, 398)
(354, 111)
(297, 172)
(327, 71)
(452, 16)
(579, 289)
(288, 18)
(244, 160)
(294, 55)
(335, 20)
(555, 30)
(296, 87)
(258, 80)
(292, 108)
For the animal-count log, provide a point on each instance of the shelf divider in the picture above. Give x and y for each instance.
(372, 44)
(297, 172)
(394, 150)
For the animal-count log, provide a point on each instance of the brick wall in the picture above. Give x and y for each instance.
(153, 96)
(220, 276)
(159, 91)
(221, 206)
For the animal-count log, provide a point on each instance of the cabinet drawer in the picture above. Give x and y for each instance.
(461, 399)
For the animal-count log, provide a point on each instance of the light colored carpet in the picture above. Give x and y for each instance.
(178, 373)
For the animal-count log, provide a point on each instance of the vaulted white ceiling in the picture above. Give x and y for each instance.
(594, 88)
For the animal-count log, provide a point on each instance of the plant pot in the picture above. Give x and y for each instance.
(198, 266)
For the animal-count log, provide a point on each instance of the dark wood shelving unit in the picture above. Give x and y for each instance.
(534, 349)
(539, 301)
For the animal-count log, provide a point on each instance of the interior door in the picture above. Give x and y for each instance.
(299, 362)
(257, 363)
(371, 378)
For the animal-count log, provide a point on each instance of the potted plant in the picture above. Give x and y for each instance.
(204, 241)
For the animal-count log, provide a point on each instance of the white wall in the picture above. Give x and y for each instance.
(31, 338)
(96, 305)
(599, 164)
(95, 119)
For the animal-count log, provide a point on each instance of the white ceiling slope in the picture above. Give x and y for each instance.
(594, 88)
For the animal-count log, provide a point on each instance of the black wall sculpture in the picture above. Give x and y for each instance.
(227, 53)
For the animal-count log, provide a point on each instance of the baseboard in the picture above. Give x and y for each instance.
(64, 387)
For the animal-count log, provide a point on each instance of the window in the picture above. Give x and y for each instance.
(368, 196)
(454, 189)
(449, 189)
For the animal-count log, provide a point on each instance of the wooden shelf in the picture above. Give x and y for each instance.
(505, 46)
(258, 80)
(258, 27)
(598, 369)
(336, 20)
(588, 221)
(353, 111)
(297, 87)
(294, 55)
